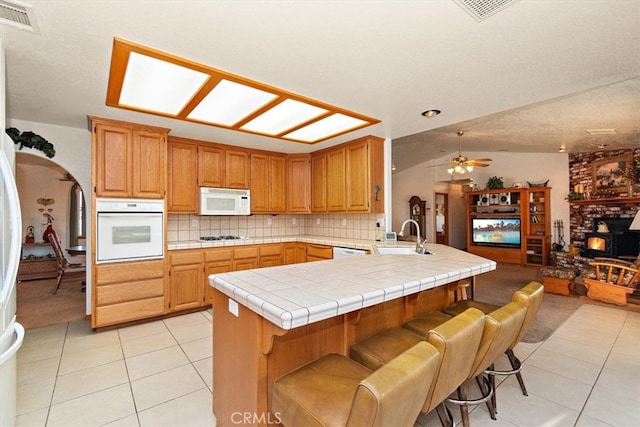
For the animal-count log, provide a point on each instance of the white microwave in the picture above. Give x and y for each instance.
(224, 201)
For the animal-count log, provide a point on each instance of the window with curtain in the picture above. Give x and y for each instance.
(77, 216)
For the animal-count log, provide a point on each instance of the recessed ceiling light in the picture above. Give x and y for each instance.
(562, 149)
(147, 80)
(601, 145)
(430, 113)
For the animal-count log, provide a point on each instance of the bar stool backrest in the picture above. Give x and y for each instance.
(457, 340)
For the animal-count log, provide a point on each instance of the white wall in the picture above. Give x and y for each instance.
(73, 153)
(421, 180)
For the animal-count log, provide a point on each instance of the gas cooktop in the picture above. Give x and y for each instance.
(222, 238)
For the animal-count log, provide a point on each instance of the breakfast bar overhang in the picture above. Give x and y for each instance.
(270, 321)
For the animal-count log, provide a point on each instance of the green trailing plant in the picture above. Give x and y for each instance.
(31, 140)
(495, 182)
(572, 196)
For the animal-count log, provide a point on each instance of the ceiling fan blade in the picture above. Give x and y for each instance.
(481, 160)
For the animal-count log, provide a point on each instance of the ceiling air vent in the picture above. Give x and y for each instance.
(482, 9)
(601, 131)
(18, 15)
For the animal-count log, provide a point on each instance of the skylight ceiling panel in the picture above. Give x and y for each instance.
(155, 85)
(322, 129)
(286, 115)
(230, 102)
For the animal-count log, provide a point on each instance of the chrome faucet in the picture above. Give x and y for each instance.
(419, 243)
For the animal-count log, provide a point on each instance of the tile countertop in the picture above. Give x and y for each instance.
(294, 295)
(319, 240)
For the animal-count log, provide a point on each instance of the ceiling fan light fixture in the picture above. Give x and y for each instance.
(430, 113)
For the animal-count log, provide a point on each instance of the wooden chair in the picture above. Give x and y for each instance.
(614, 281)
(63, 265)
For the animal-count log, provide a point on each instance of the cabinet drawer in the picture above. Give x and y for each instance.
(122, 272)
(320, 251)
(266, 250)
(128, 311)
(212, 255)
(129, 291)
(185, 257)
(247, 252)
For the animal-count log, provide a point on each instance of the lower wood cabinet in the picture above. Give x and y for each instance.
(125, 292)
(245, 258)
(216, 260)
(294, 253)
(319, 252)
(185, 280)
(270, 255)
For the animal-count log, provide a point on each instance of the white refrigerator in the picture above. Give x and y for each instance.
(11, 332)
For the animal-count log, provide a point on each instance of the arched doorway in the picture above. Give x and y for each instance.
(48, 193)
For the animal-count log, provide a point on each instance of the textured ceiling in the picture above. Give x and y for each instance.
(528, 79)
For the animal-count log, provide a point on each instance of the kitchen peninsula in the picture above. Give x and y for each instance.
(269, 321)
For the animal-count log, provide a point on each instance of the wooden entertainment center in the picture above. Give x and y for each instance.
(529, 206)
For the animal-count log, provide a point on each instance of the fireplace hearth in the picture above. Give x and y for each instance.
(619, 241)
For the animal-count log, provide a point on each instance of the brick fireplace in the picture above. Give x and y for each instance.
(618, 241)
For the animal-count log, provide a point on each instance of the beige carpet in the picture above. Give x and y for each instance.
(38, 307)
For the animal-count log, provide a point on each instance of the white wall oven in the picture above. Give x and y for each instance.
(129, 230)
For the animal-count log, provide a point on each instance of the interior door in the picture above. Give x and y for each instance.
(442, 215)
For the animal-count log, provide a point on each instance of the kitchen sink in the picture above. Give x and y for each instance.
(395, 250)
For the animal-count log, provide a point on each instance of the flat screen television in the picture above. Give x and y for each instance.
(500, 232)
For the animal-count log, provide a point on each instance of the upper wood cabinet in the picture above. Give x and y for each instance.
(211, 165)
(237, 169)
(194, 164)
(183, 187)
(268, 183)
(129, 160)
(319, 182)
(336, 180)
(298, 183)
(350, 177)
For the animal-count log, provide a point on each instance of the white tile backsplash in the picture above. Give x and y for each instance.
(183, 227)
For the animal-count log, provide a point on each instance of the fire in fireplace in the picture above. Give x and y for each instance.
(619, 241)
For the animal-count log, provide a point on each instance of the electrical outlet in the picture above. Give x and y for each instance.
(344, 222)
(317, 221)
(233, 307)
(293, 221)
(379, 222)
(194, 223)
(269, 221)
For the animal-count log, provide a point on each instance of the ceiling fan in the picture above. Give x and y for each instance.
(461, 164)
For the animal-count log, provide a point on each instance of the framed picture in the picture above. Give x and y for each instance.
(610, 174)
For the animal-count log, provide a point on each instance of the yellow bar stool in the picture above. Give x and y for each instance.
(530, 297)
(337, 391)
(457, 339)
(501, 327)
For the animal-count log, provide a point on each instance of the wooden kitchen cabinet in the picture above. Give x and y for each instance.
(237, 169)
(336, 180)
(245, 258)
(268, 182)
(124, 292)
(298, 183)
(129, 160)
(319, 182)
(319, 252)
(352, 179)
(294, 253)
(183, 187)
(211, 166)
(216, 260)
(186, 279)
(270, 255)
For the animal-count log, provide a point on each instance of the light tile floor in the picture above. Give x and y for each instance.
(159, 374)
